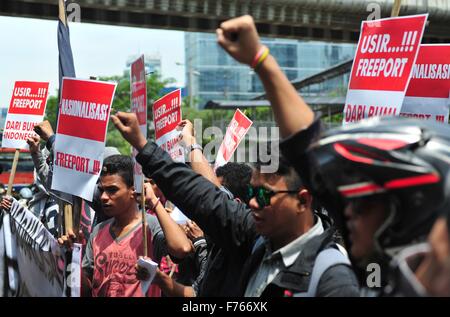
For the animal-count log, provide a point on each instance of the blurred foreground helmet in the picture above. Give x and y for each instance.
(405, 161)
(25, 193)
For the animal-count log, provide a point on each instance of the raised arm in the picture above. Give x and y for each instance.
(178, 244)
(199, 163)
(45, 132)
(240, 39)
(227, 222)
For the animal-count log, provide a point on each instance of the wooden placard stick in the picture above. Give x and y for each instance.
(68, 220)
(396, 8)
(13, 172)
(144, 220)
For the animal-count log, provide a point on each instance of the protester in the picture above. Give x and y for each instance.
(109, 264)
(219, 259)
(191, 263)
(236, 178)
(175, 236)
(434, 270)
(192, 268)
(43, 204)
(286, 220)
(300, 128)
(389, 181)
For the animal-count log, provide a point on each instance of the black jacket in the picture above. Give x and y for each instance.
(339, 280)
(228, 223)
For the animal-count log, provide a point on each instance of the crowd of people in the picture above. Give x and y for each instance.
(340, 202)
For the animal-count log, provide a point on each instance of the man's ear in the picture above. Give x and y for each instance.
(304, 198)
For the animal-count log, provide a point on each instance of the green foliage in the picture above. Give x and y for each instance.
(51, 111)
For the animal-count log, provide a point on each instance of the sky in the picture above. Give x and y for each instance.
(29, 51)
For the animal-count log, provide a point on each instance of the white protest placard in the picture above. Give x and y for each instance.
(166, 116)
(139, 106)
(427, 96)
(385, 56)
(80, 136)
(27, 108)
(151, 267)
(178, 216)
(236, 131)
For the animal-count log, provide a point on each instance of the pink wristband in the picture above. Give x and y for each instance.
(258, 56)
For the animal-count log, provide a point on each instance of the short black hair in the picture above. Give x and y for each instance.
(284, 168)
(236, 178)
(121, 165)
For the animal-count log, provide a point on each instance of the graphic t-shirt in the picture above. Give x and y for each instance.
(110, 262)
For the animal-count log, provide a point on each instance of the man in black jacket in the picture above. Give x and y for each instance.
(284, 264)
(280, 211)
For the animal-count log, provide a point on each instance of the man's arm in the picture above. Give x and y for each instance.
(241, 40)
(170, 287)
(178, 244)
(40, 164)
(227, 222)
(45, 132)
(198, 161)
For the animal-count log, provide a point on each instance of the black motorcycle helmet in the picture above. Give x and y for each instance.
(404, 161)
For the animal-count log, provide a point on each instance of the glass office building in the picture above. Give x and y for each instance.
(213, 75)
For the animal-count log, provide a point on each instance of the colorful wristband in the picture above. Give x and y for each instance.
(257, 60)
(262, 58)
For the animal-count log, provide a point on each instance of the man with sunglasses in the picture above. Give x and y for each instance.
(280, 210)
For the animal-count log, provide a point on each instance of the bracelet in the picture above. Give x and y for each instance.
(154, 206)
(195, 146)
(260, 57)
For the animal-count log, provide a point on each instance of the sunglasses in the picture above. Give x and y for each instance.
(263, 195)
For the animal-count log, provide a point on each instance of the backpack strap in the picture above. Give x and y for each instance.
(325, 259)
(259, 241)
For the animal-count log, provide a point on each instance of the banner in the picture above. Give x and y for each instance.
(428, 92)
(35, 265)
(80, 136)
(236, 131)
(139, 106)
(27, 108)
(166, 116)
(385, 56)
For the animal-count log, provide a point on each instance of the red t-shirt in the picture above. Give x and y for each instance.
(112, 261)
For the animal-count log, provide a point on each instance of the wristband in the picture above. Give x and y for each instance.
(260, 57)
(154, 206)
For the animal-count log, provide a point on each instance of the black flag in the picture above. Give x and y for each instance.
(66, 65)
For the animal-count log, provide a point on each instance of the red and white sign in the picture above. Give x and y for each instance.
(139, 106)
(27, 108)
(236, 131)
(80, 136)
(386, 53)
(428, 92)
(166, 116)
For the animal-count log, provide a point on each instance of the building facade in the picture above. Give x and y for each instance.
(211, 74)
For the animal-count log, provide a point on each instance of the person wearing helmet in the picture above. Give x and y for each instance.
(386, 178)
